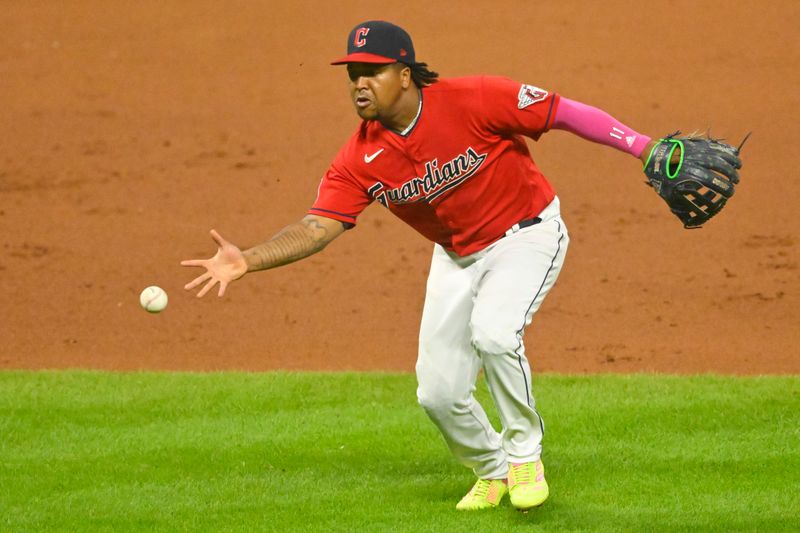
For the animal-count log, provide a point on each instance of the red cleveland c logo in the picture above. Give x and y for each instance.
(359, 39)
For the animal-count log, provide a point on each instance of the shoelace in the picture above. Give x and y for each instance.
(481, 488)
(523, 473)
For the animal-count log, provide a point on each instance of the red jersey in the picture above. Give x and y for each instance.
(462, 176)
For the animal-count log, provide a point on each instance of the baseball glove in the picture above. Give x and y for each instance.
(698, 179)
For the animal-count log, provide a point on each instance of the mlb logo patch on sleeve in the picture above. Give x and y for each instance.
(529, 94)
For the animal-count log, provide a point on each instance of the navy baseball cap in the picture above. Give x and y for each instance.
(379, 42)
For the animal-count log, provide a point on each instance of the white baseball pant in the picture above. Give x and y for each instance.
(476, 308)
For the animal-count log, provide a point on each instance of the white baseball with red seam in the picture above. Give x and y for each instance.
(153, 299)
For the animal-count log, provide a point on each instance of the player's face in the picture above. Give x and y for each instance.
(375, 89)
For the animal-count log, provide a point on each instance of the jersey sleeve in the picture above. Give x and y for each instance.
(340, 196)
(511, 107)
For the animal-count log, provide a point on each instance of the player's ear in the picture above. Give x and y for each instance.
(405, 76)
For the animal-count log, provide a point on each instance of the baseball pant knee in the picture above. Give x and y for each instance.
(488, 340)
(436, 399)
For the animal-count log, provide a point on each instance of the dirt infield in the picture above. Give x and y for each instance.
(132, 128)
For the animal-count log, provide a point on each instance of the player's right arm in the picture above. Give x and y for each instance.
(340, 199)
(294, 242)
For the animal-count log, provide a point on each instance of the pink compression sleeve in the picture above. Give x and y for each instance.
(598, 126)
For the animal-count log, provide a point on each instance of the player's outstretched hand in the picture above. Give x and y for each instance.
(227, 265)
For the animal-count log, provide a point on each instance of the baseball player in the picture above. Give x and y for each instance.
(448, 157)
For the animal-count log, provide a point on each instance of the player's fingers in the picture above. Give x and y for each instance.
(218, 238)
(193, 262)
(197, 281)
(222, 286)
(207, 287)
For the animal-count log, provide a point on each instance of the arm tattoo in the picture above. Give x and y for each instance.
(292, 243)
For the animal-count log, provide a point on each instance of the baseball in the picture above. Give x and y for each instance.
(153, 299)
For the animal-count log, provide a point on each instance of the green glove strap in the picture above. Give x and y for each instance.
(675, 144)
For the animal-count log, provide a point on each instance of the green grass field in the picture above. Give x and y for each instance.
(90, 451)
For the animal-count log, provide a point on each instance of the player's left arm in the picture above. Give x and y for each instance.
(694, 174)
(598, 126)
(513, 108)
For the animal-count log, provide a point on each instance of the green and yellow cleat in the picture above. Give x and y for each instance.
(526, 485)
(485, 494)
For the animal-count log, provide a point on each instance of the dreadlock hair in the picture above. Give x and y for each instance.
(421, 76)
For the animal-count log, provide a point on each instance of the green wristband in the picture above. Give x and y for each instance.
(653, 149)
